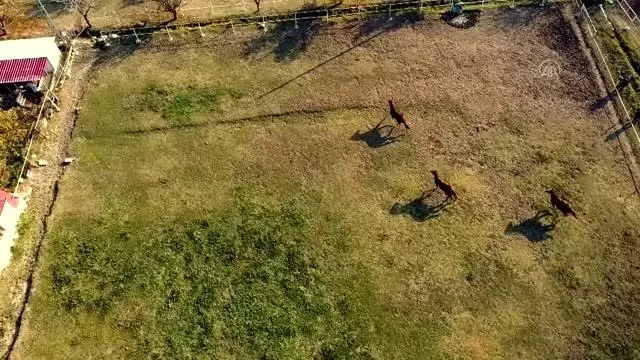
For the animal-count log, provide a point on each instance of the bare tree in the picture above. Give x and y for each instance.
(83, 7)
(3, 25)
(257, 5)
(4, 10)
(170, 6)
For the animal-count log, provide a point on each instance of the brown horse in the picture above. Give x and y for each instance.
(397, 116)
(560, 204)
(446, 188)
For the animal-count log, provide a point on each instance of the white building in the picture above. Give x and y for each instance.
(25, 61)
(11, 207)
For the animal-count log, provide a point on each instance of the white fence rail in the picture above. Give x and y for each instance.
(593, 31)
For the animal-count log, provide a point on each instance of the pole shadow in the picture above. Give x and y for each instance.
(536, 228)
(375, 138)
(418, 209)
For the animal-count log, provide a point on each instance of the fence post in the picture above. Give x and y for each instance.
(168, 33)
(327, 16)
(136, 35)
(233, 28)
(390, 10)
(295, 19)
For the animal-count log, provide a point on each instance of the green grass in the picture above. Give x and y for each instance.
(215, 221)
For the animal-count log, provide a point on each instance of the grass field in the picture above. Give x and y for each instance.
(227, 205)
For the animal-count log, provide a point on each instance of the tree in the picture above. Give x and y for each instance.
(257, 5)
(170, 6)
(83, 7)
(3, 25)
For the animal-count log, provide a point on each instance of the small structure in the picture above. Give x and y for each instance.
(27, 66)
(11, 207)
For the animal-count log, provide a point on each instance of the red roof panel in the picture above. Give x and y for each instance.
(7, 197)
(21, 70)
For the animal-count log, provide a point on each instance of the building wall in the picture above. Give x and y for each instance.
(31, 48)
(9, 221)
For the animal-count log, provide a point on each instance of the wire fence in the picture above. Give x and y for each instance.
(47, 102)
(209, 11)
(610, 80)
(296, 17)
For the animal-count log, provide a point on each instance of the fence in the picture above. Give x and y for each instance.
(593, 31)
(63, 72)
(294, 17)
(623, 109)
(207, 11)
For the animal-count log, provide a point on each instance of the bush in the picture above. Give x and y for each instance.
(13, 136)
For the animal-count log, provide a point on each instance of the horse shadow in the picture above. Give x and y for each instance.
(375, 138)
(536, 228)
(418, 209)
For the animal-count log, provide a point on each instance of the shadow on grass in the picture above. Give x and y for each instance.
(119, 50)
(418, 209)
(375, 138)
(517, 18)
(600, 103)
(535, 229)
(615, 134)
(378, 23)
(290, 39)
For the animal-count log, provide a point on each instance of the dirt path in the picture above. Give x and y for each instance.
(54, 148)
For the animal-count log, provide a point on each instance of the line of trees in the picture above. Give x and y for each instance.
(85, 6)
(10, 14)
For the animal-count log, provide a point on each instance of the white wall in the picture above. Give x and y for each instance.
(9, 221)
(31, 48)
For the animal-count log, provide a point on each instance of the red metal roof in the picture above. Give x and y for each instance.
(20, 70)
(7, 197)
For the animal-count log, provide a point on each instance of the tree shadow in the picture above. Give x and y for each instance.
(519, 17)
(536, 228)
(387, 22)
(120, 49)
(615, 134)
(289, 39)
(600, 103)
(418, 209)
(375, 138)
